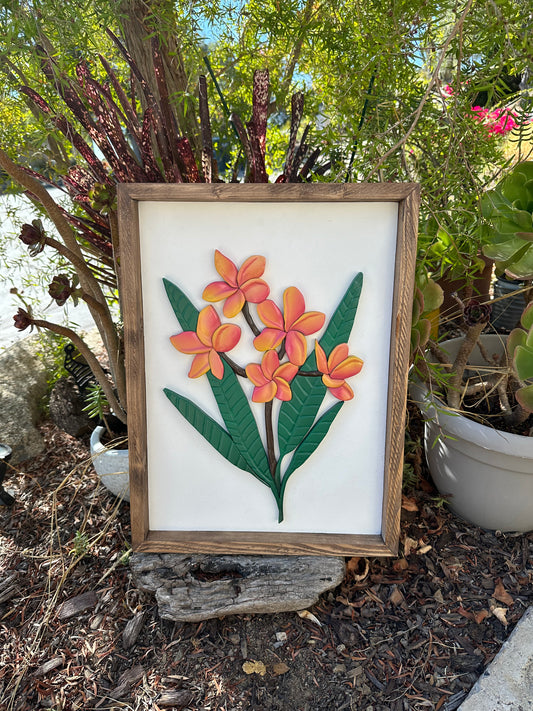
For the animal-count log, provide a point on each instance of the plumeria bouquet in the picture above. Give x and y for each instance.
(290, 371)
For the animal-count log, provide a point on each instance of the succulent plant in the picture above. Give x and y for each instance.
(520, 350)
(508, 210)
(428, 298)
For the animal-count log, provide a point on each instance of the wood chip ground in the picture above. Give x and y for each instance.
(413, 632)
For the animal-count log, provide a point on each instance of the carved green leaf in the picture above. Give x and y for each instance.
(230, 398)
(210, 430)
(311, 442)
(184, 309)
(239, 420)
(297, 415)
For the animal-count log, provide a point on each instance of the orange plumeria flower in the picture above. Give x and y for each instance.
(210, 339)
(336, 368)
(270, 378)
(239, 286)
(294, 326)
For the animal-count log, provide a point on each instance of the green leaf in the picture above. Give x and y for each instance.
(240, 421)
(340, 326)
(296, 416)
(184, 309)
(231, 400)
(523, 362)
(527, 316)
(210, 430)
(525, 398)
(310, 442)
(517, 337)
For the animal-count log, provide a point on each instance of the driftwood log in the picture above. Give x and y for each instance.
(192, 588)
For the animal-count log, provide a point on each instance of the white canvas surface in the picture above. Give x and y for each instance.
(317, 247)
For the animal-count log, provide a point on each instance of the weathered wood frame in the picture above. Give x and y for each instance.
(224, 542)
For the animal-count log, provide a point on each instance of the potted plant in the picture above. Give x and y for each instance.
(127, 141)
(476, 395)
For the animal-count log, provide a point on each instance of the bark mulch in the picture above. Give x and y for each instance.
(412, 632)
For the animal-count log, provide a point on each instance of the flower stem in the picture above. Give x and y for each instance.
(249, 320)
(271, 451)
(236, 368)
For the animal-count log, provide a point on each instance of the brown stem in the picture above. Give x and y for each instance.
(271, 451)
(57, 217)
(91, 301)
(434, 78)
(236, 368)
(249, 320)
(297, 49)
(92, 362)
(310, 373)
(439, 354)
(73, 253)
(460, 363)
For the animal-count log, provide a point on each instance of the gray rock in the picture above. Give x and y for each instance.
(66, 408)
(192, 588)
(22, 385)
(507, 683)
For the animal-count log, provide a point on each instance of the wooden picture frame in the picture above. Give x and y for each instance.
(161, 227)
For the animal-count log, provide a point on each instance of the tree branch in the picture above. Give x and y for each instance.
(458, 25)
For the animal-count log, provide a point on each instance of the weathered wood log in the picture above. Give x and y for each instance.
(192, 588)
(132, 630)
(77, 604)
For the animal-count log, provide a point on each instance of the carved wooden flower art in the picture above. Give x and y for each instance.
(287, 373)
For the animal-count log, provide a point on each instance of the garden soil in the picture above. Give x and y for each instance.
(412, 632)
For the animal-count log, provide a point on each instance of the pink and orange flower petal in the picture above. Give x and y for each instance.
(293, 325)
(270, 378)
(239, 285)
(210, 339)
(335, 369)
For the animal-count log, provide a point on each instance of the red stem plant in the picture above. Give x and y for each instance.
(117, 142)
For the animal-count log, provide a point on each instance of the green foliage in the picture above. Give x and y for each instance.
(51, 353)
(509, 211)
(97, 406)
(520, 350)
(80, 545)
(427, 299)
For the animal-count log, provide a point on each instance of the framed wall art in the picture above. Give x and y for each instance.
(267, 337)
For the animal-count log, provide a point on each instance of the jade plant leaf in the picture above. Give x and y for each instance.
(517, 337)
(525, 398)
(297, 415)
(527, 316)
(508, 210)
(210, 430)
(523, 362)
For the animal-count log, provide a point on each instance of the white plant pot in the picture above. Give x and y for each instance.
(112, 465)
(486, 473)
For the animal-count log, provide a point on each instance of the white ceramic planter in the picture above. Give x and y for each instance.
(112, 465)
(487, 473)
